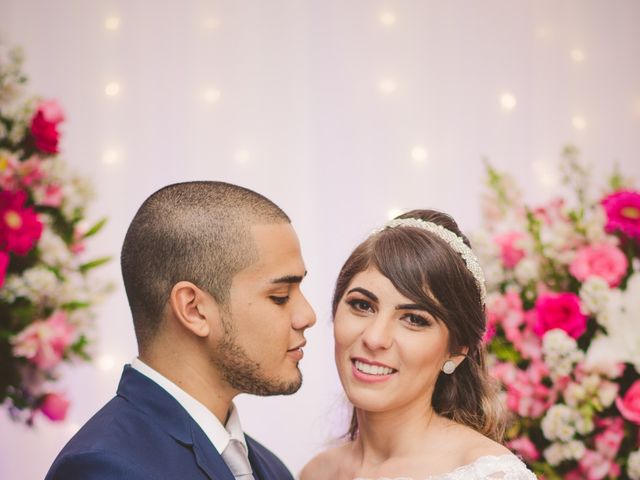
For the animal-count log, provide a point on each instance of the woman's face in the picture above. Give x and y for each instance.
(388, 350)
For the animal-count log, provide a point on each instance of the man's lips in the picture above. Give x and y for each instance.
(296, 352)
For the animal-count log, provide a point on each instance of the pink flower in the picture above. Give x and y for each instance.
(629, 405)
(44, 126)
(54, 406)
(20, 228)
(602, 260)
(595, 466)
(526, 394)
(4, 264)
(45, 341)
(510, 252)
(609, 440)
(623, 213)
(525, 448)
(559, 310)
(50, 195)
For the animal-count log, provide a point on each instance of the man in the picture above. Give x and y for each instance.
(212, 273)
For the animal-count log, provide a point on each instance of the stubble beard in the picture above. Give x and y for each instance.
(246, 375)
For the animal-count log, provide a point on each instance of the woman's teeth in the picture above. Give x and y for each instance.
(372, 369)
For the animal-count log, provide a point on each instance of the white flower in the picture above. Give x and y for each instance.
(557, 453)
(559, 423)
(594, 226)
(526, 271)
(53, 251)
(594, 295)
(560, 352)
(621, 344)
(633, 465)
(574, 394)
(607, 393)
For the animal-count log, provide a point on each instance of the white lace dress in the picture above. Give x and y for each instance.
(502, 467)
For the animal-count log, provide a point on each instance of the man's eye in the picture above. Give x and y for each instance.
(360, 305)
(279, 300)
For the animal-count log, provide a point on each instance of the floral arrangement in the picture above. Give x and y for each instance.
(563, 315)
(46, 295)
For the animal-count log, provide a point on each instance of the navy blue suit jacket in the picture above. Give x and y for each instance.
(144, 433)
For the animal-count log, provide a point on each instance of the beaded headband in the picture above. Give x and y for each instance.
(453, 240)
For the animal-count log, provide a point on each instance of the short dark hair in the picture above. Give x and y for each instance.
(425, 269)
(192, 231)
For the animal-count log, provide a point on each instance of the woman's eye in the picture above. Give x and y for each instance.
(416, 320)
(360, 305)
(279, 300)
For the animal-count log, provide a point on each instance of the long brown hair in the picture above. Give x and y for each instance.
(425, 269)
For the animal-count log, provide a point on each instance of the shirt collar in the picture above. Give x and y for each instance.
(218, 434)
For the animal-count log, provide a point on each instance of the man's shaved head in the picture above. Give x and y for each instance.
(194, 231)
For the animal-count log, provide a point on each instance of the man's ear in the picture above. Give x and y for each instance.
(195, 309)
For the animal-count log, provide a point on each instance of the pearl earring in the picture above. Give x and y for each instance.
(449, 367)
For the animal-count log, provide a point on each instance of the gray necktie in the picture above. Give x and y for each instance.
(236, 458)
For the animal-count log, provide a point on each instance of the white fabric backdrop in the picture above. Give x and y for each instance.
(338, 111)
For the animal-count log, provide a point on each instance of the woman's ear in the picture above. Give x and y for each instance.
(195, 309)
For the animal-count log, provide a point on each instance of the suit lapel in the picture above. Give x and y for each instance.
(260, 466)
(150, 398)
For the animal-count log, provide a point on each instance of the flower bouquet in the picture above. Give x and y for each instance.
(563, 316)
(46, 296)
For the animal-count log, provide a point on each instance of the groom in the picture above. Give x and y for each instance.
(212, 273)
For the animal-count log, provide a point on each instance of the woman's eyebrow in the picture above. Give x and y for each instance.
(365, 292)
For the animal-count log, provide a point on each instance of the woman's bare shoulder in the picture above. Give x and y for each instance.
(324, 466)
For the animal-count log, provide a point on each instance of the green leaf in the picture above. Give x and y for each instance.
(85, 267)
(95, 228)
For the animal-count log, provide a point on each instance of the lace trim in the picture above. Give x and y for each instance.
(499, 467)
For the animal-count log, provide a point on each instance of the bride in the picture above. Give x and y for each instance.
(409, 319)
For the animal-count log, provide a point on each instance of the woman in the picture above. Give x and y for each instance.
(409, 319)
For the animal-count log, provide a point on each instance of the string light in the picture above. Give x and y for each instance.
(419, 154)
(112, 23)
(387, 86)
(242, 156)
(211, 23)
(112, 89)
(546, 173)
(394, 212)
(577, 55)
(387, 19)
(542, 33)
(106, 362)
(578, 122)
(211, 95)
(111, 157)
(508, 101)
(72, 428)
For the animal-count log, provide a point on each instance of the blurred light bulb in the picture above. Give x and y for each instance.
(508, 101)
(387, 86)
(546, 173)
(578, 122)
(542, 33)
(393, 213)
(211, 23)
(211, 95)
(242, 155)
(112, 89)
(111, 157)
(72, 428)
(419, 154)
(112, 23)
(106, 362)
(577, 55)
(387, 19)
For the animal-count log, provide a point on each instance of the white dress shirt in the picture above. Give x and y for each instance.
(219, 434)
